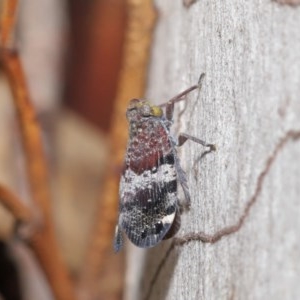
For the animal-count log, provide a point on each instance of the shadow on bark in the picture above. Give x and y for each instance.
(160, 263)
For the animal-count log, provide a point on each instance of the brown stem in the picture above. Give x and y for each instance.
(7, 21)
(14, 205)
(42, 241)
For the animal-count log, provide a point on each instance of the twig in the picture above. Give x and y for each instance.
(138, 37)
(7, 21)
(30, 131)
(42, 241)
(14, 205)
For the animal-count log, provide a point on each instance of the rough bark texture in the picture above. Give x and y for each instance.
(250, 107)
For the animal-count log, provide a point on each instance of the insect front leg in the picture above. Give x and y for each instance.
(183, 137)
(170, 104)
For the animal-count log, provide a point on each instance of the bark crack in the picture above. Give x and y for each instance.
(291, 135)
(188, 3)
(292, 3)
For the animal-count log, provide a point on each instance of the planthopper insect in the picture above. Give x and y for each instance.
(149, 208)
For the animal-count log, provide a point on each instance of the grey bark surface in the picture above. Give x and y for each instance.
(249, 106)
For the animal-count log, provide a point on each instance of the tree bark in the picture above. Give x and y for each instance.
(240, 238)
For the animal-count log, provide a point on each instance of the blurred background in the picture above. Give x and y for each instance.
(71, 53)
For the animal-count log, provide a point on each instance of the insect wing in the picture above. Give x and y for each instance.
(148, 190)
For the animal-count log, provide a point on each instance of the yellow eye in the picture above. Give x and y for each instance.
(156, 111)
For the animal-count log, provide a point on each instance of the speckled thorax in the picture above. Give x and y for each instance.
(146, 137)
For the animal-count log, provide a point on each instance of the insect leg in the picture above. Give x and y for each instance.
(183, 137)
(118, 242)
(170, 104)
(184, 184)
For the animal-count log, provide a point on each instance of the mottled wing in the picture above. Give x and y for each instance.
(148, 188)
